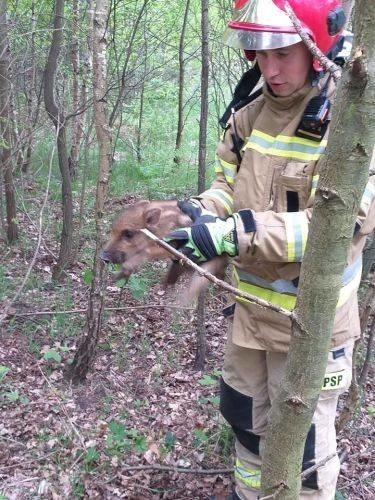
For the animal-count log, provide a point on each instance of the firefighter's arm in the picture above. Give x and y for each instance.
(219, 197)
(282, 237)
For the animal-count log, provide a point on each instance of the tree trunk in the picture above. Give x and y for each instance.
(31, 95)
(181, 84)
(86, 351)
(343, 178)
(201, 332)
(78, 92)
(6, 128)
(58, 120)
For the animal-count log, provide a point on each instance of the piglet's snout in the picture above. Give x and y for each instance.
(113, 256)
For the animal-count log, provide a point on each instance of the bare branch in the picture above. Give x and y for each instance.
(328, 65)
(213, 279)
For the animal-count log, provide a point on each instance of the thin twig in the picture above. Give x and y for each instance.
(27, 462)
(214, 279)
(305, 474)
(166, 468)
(276, 493)
(81, 311)
(326, 63)
(366, 476)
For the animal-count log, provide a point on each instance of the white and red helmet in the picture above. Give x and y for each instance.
(264, 24)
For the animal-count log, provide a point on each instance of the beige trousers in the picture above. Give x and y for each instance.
(250, 382)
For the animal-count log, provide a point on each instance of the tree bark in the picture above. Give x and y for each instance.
(342, 181)
(86, 350)
(57, 117)
(6, 128)
(181, 83)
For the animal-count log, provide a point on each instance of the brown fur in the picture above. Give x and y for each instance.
(131, 248)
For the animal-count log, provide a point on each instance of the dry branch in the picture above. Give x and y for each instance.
(214, 279)
(326, 63)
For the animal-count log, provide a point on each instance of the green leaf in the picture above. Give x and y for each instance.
(207, 380)
(121, 282)
(140, 444)
(13, 396)
(138, 287)
(339, 495)
(87, 276)
(200, 436)
(3, 371)
(371, 411)
(52, 354)
(169, 440)
(117, 430)
(92, 455)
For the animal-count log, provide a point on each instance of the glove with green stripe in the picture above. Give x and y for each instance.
(210, 236)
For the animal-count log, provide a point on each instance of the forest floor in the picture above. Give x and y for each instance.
(143, 406)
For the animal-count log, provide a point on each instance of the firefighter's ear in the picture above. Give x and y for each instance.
(152, 216)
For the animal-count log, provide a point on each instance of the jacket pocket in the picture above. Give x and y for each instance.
(292, 187)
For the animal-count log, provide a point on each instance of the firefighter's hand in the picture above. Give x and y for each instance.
(206, 239)
(194, 210)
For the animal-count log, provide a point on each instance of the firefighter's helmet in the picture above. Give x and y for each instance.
(264, 24)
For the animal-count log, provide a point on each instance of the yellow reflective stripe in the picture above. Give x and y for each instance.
(279, 299)
(347, 290)
(334, 380)
(228, 169)
(286, 146)
(296, 228)
(222, 197)
(314, 185)
(250, 477)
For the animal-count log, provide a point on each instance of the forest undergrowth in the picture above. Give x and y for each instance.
(143, 404)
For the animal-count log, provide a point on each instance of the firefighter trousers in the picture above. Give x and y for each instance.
(248, 387)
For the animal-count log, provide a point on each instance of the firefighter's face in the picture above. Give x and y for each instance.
(285, 70)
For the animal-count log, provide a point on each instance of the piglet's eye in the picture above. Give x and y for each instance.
(128, 234)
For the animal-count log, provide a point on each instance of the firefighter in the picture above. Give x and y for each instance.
(257, 211)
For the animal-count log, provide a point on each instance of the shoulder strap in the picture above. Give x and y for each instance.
(242, 92)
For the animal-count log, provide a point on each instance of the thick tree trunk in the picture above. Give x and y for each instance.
(86, 351)
(181, 83)
(343, 178)
(6, 128)
(58, 120)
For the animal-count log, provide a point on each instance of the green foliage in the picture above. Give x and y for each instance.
(3, 371)
(169, 441)
(138, 286)
(226, 441)
(12, 396)
(91, 458)
(52, 354)
(5, 283)
(87, 276)
(120, 439)
(200, 437)
(207, 380)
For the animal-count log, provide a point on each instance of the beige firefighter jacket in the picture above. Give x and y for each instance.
(277, 179)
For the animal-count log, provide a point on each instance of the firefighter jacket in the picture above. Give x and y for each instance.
(277, 178)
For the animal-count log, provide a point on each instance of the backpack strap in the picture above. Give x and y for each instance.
(242, 93)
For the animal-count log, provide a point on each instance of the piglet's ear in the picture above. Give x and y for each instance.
(152, 216)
